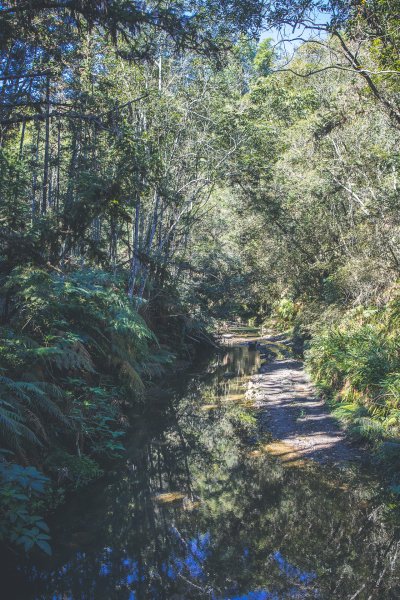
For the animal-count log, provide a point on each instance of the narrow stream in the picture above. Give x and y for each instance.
(200, 509)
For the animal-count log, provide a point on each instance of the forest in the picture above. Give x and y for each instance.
(166, 167)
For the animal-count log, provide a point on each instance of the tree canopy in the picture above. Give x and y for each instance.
(161, 170)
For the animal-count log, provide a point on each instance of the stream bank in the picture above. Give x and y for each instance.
(288, 405)
(202, 509)
(292, 410)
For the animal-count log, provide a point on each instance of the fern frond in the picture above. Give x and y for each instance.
(131, 377)
(12, 425)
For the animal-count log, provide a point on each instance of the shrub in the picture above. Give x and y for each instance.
(74, 347)
(358, 361)
(75, 471)
(73, 356)
(20, 490)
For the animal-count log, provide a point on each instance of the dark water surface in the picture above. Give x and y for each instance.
(200, 509)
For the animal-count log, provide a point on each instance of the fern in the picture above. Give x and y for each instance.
(13, 430)
(65, 330)
(131, 377)
(26, 401)
(360, 361)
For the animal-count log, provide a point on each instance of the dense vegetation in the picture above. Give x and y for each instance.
(160, 169)
(109, 153)
(324, 225)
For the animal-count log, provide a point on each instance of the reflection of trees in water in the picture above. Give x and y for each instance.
(241, 360)
(299, 532)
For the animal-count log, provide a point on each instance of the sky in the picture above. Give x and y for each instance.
(286, 39)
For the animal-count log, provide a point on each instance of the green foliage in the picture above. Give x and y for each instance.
(359, 360)
(187, 193)
(20, 490)
(264, 58)
(67, 334)
(72, 356)
(21, 403)
(77, 471)
(379, 21)
(75, 354)
(285, 312)
(207, 26)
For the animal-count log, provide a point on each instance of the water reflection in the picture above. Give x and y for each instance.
(201, 510)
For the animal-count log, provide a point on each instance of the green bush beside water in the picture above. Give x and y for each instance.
(355, 361)
(74, 356)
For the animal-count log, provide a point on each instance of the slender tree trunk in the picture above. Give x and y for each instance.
(160, 74)
(150, 238)
(71, 170)
(21, 144)
(58, 165)
(46, 149)
(135, 254)
(34, 177)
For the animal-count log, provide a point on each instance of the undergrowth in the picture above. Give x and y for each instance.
(74, 357)
(355, 361)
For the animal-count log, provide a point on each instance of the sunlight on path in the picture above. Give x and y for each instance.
(295, 415)
(290, 408)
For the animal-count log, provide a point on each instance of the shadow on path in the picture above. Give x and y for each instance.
(294, 414)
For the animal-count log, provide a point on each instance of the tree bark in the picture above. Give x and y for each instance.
(46, 150)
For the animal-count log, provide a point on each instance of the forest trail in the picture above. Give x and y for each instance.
(294, 414)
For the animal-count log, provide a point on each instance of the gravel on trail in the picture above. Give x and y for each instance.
(290, 408)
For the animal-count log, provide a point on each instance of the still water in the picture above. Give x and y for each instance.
(200, 509)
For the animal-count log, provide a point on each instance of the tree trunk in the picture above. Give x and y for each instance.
(135, 254)
(46, 149)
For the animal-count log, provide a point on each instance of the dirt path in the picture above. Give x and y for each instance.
(294, 414)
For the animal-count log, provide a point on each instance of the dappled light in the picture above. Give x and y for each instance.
(205, 506)
(199, 299)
